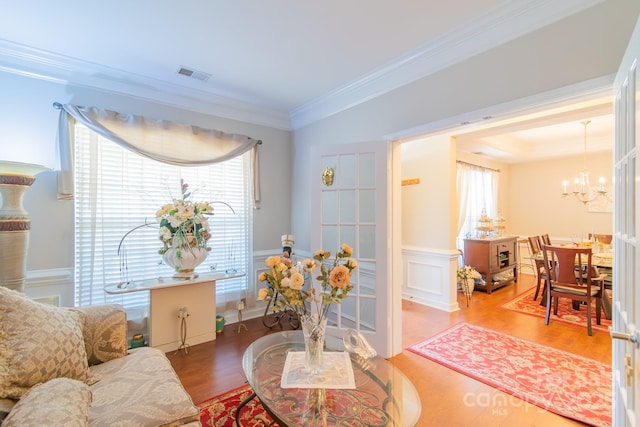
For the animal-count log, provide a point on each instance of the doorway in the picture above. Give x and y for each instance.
(529, 179)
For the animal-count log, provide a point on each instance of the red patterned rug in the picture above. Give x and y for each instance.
(557, 381)
(221, 410)
(524, 303)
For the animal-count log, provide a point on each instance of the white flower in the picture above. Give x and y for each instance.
(297, 281)
(165, 234)
(351, 264)
(183, 222)
(468, 272)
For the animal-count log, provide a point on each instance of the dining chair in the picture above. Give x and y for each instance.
(570, 275)
(602, 238)
(541, 274)
(545, 239)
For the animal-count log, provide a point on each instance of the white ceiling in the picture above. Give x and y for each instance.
(284, 63)
(547, 134)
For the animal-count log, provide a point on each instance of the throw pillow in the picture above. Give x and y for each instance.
(61, 402)
(105, 332)
(38, 342)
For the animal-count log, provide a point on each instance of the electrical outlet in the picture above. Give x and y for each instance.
(183, 313)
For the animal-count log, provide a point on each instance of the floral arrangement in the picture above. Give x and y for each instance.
(184, 222)
(468, 272)
(287, 280)
(464, 274)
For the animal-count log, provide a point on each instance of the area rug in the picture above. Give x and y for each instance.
(557, 381)
(220, 411)
(525, 304)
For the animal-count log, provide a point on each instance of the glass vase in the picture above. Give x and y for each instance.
(313, 329)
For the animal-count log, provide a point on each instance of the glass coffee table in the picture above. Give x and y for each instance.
(383, 395)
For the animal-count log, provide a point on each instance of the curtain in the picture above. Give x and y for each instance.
(477, 190)
(154, 139)
(463, 178)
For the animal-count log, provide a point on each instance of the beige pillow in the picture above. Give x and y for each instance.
(61, 402)
(105, 332)
(38, 342)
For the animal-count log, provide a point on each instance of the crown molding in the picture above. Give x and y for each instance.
(60, 69)
(582, 92)
(497, 26)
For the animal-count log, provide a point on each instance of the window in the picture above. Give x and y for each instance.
(477, 191)
(118, 190)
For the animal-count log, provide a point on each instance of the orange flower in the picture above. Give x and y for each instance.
(339, 277)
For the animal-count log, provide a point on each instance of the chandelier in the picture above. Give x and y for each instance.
(582, 189)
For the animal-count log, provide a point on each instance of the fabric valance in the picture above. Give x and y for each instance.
(162, 140)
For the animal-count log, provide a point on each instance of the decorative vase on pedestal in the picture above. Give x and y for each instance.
(15, 224)
(184, 260)
(314, 329)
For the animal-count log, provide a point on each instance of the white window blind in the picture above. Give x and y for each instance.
(118, 190)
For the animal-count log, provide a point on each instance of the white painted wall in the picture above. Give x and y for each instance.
(507, 75)
(427, 212)
(429, 222)
(536, 205)
(28, 125)
(512, 72)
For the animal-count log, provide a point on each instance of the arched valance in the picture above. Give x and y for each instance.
(162, 140)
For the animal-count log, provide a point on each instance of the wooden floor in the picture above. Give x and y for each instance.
(448, 398)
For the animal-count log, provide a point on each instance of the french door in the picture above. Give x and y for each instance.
(350, 204)
(626, 272)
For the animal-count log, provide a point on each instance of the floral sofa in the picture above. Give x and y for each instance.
(71, 367)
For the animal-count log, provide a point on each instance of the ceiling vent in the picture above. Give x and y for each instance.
(198, 75)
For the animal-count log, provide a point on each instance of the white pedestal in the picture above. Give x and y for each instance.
(167, 296)
(164, 322)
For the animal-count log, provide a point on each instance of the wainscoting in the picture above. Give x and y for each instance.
(56, 287)
(53, 286)
(430, 277)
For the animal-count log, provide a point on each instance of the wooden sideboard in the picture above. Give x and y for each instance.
(492, 256)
